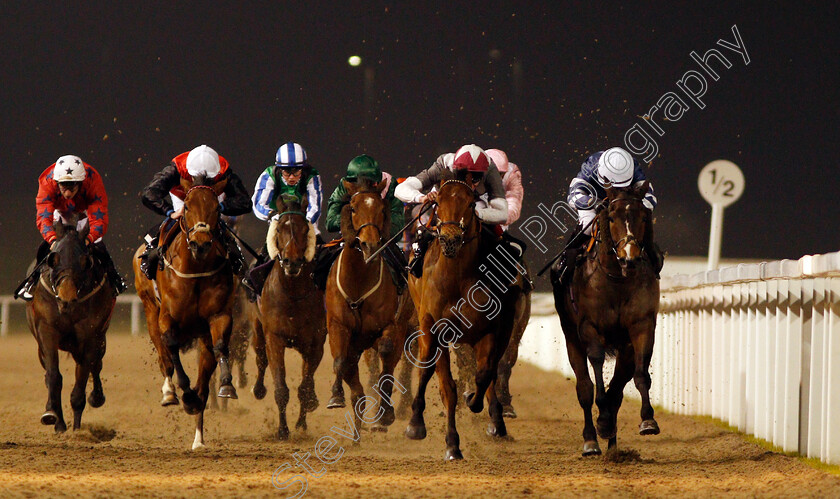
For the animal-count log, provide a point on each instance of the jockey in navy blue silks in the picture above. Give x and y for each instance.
(614, 167)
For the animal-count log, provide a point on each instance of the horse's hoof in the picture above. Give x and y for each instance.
(495, 431)
(283, 434)
(198, 446)
(415, 432)
(96, 399)
(169, 399)
(336, 402)
(49, 418)
(388, 418)
(192, 403)
(468, 396)
(301, 425)
(648, 427)
(591, 448)
(243, 381)
(508, 412)
(259, 391)
(60, 426)
(311, 404)
(378, 428)
(453, 455)
(605, 432)
(227, 392)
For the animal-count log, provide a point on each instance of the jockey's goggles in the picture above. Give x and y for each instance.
(291, 172)
(69, 185)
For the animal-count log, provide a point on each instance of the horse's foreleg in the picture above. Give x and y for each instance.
(48, 354)
(416, 429)
(390, 354)
(275, 347)
(259, 389)
(77, 396)
(449, 395)
(465, 360)
(192, 403)
(508, 360)
(339, 336)
(220, 329)
(206, 367)
(487, 364)
(351, 377)
(372, 362)
(624, 366)
(642, 336)
(306, 391)
(406, 368)
(584, 386)
(595, 354)
(97, 396)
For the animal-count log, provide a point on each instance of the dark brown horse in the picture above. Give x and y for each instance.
(465, 357)
(609, 308)
(456, 304)
(363, 307)
(70, 311)
(196, 299)
(291, 312)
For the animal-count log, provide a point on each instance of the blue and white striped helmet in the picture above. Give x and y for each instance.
(291, 155)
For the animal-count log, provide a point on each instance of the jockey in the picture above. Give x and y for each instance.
(470, 164)
(290, 175)
(364, 166)
(614, 167)
(165, 196)
(66, 187)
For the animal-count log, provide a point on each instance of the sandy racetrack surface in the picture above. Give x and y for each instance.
(133, 446)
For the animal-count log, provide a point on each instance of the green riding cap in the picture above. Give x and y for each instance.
(364, 167)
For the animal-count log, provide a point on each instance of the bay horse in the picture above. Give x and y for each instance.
(291, 311)
(71, 311)
(450, 312)
(609, 308)
(363, 307)
(196, 290)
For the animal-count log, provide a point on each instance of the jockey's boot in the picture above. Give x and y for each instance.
(324, 258)
(415, 267)
(25, 289)
(397, 265)
(150, 258)
(237, 261)
(255, 276)
(563, 270)
(656, 257)
(101, 253)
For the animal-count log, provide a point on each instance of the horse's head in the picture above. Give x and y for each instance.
(201, 214)
(455, 213)
(366, 219)
(628, 220)
(291, 238)
(70, 263)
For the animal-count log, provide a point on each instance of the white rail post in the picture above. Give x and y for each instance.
(135, 317)
(4, 317)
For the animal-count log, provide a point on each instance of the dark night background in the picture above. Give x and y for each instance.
(128, 87)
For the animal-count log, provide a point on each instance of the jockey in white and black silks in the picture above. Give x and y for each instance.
(67, 188)
(614, 167)
(165, 196)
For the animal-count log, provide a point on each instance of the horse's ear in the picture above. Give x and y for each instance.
(350, 187)
(642, 189)
(84, 233)
(58, 227)
(52, 259)
(304, 203)
(611, 193)
(381, 185)
(446, 175)
(348, 232)
(186, 184)
(219, 187)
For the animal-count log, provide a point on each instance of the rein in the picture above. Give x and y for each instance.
(199, 227)
(50, 286)
(612, 248)
(354, 305)
(459, 224)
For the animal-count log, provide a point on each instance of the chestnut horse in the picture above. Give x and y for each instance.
(196, 299)
(450, 311)
(363, 307)
(71, 310)
(291, 311)
(609, 308)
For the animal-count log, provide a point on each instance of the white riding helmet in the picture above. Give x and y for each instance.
(615, 167)
(203, 160)
(69, 169)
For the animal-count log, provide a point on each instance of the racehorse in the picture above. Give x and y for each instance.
(363, 307)
(609, 308)
(291, 311)
(450, 312)
(70, 311)
(196, 298)
(465, 357)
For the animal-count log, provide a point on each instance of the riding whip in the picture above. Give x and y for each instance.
(551, 262)
(398, 234)
(244, 244)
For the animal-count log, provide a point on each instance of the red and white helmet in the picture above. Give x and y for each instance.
(69, 169)
(499, 158)
(471, 158)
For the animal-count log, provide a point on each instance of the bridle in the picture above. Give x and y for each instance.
(629, 237)
(460, 224)
(281, 255)
(367, 224)
(200, 226)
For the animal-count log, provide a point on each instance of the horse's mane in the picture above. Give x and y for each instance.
(202, 179)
